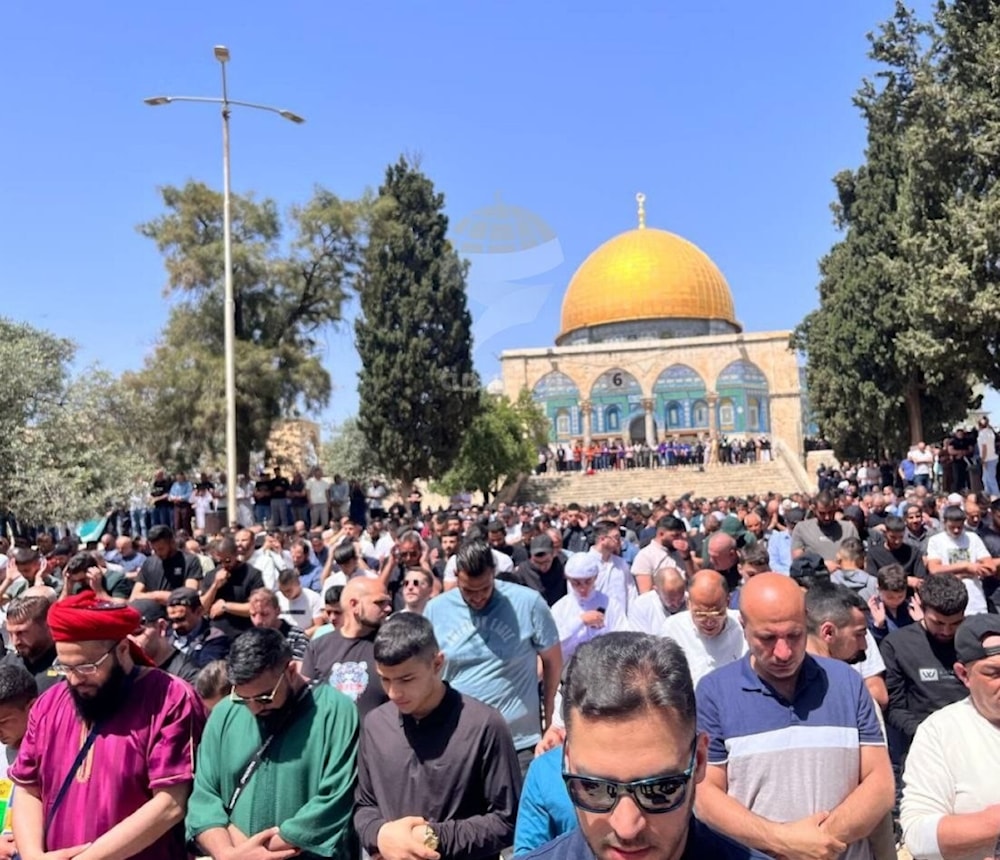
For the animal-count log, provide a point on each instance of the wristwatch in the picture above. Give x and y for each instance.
(431, 838)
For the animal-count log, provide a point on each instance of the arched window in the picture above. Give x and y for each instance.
(699, 413)
(612, 419)
(562, 423)
(555, 385)
(615, 383)
(727, 415)
(753, 413)
(674, 414)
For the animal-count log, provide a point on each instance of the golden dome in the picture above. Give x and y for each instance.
(647, 274)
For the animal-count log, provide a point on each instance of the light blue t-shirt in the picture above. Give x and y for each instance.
(491, 654)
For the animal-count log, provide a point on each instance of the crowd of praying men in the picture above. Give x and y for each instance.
(792, 677)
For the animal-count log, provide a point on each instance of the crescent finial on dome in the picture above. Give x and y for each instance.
(640, 198)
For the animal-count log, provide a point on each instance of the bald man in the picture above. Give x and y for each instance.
(345, 658)
(797, 764)
(724, 558)
(708, 632)
(668, 596)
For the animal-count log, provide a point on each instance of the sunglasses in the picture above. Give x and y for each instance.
(262, 699)
(655, 795)
(416, 582)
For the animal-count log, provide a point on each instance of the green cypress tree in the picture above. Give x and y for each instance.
(417, 387)
(879, 376)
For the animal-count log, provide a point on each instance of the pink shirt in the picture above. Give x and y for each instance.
(149, 744)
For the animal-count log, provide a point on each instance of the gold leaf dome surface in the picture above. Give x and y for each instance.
(646, 274)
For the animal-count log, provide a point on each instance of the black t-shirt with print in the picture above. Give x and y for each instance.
(161, 488)
(279, 487)
(347, 665)
(166, 575)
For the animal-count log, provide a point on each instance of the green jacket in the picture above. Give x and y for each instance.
(304, 785)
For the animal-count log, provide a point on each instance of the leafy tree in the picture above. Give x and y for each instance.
(346, 453)
(952, 196)
(878, 377)
(417, 387)
(70, 448)
(286, 295)
(501, 443)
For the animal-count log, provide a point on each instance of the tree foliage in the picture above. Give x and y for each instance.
(952, 192)
(909, 299)
(418, 391)
(346, 453)
(71, 448)
(501, 443)
(287, 292)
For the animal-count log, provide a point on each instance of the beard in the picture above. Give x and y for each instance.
(270, 721)
(104, 702)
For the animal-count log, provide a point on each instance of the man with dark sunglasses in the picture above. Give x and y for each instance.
(297, 799)
(634, 799)
(418, 588)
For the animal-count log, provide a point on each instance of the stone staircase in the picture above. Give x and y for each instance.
(646, 484)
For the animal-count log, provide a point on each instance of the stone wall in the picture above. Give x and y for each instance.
(645, 360)
(293, 445)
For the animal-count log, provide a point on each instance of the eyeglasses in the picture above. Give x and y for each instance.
(262, 699)
(655, 795)
(416, 582)
(82, 670)
(708, 613)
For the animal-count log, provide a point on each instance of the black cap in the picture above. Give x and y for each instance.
(188, 597)
(969, 638)
(149, 610)
(794, 516)
(541, 544)
(808, 566)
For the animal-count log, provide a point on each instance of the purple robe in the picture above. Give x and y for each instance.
(149, 744)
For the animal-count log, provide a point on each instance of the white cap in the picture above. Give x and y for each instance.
(583, 565)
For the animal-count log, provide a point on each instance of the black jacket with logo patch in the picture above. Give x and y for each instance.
(920, 676)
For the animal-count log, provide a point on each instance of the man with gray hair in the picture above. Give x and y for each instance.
(668, 596)
(634, 799)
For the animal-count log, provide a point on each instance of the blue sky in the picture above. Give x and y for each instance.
(731, 117)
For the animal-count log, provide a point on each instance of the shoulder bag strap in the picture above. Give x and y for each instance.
(82, 755)
(250, 768)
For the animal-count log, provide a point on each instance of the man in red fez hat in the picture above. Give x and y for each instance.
(106, 765)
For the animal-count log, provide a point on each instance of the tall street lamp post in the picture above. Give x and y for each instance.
(222, 55)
